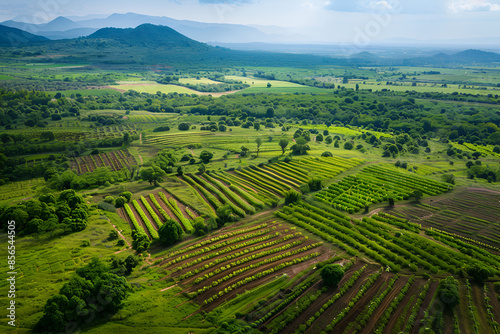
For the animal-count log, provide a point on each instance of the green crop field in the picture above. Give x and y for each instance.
(150, 183)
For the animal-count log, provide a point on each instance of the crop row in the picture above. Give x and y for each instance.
(220, 245)
(345, 287)
(352, 237)
(489, 309)
(371, 279)
(172, 205)
(230, 194)
(412, 318)
(165, 215)
(364, 317)
(243, 260)
(261, 194)
(464, 247)
(152, 213)
(145, 220)
(218, 238)
(255, 265)
(131, 215)
(296, 293)
(233, 248)
(260, 275)
(223, 199)
(386, 316)
(212, 200)
(470, 303)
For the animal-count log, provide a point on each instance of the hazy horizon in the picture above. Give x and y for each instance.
(359, 22)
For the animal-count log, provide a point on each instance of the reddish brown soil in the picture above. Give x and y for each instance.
(362, 303)
(289, 271)
(413, 291)
(167, 210)
(180, 205)
(326, 318)
(190, 280)
(121, 212)
(201, 264)
(424, 306)
(215, 243)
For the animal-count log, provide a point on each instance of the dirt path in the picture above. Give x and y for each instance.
(170, 287)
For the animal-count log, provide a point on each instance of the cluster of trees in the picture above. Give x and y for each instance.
(93, 293)
(66, 213)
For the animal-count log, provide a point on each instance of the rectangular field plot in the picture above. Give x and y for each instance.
(218, 268)
(375, 184)
(116, 161)
(147, 214)
(472, 214)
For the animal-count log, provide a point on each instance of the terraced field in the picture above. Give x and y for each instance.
(147, 214)
(116, 161)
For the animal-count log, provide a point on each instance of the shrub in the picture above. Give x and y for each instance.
(127, 195)
(291, 196)
(183, 126)
(120, 202)
(109, 199)
(332, 274)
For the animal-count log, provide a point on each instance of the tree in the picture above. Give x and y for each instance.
(332, 274)
(205, 156)
(448, 178)
(199, 226)
(417, 195)
(141, 241)
(315, 184)
(258, 141)
(127, 195)
(256, 126)
(328, 139)
(224, 215)
(120, 202)
(300, 147)
(170, 233)
(327, 154)
(478, 272)
(348, 146)
(183, 126)
(126, 139)
(447, 292)
(319, 138)
(283, 143)
(153, 174)
(270, 112)
(269, 85)
(291, 196)
(244, 151)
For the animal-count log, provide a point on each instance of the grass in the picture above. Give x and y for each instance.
(44, 264)
(153, 88)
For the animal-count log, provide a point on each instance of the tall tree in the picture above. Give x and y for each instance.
(283, 144)
(258, 141)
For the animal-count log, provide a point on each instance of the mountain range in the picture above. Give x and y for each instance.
(149, 44)
(64, 28)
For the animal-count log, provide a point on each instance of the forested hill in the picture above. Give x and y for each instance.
(13, 37)
(149, 35)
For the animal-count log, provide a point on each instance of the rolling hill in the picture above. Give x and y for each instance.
(13, 37)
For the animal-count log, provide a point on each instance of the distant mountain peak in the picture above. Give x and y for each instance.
(149, 35)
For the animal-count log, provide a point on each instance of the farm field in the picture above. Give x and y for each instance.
(151, 182)
(472, 214)
(116, 161)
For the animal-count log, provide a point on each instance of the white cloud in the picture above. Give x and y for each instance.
(457, 6)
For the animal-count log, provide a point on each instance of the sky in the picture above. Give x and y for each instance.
(348, 21)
